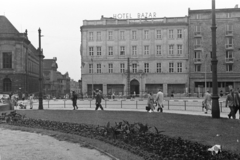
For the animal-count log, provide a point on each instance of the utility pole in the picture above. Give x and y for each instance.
(40, 107)
(128, 78)
(215, 97)
(205, 72)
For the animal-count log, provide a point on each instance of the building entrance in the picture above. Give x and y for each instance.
(134, 87)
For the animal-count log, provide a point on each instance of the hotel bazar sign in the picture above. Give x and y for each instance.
(139, 15)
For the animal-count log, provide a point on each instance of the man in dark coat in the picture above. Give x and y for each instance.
(99, 98)
(74, 100)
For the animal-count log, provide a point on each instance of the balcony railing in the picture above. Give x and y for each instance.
(197, 34)
(229, 33)
(229, 60)
(197, 60)
(229, 46)
(197, 46)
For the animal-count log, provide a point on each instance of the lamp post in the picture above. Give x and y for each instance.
(40, 107)
(215, 103)
(206, 73)
(92, 76)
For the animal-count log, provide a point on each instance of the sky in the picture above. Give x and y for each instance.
(60, 21)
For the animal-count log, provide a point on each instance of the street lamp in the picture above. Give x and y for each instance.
(215, 103)
(206, 73)
(40, 107)
(92, 76)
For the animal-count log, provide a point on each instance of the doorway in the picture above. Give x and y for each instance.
(134, 87)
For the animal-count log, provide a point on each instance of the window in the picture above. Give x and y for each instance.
(134, 67)
(90, 51)
(122, 36)
(171, 67)
(99, 51)
(229, 67)
(179, 67)
(90, 68)
(90, 36)
(179, 49)
(110, 68)
(197, 30)
(146, 67)
(229, 54)
(134, 35)
(7, 60)
(229, 29)
(146, 34)
(198, 56)
(146, 50)
(197, 67)
(171, 49)
(229, 15)
(122, 67)
(134, 50)
(110, 35)
(198, 42)
(7, 85)
(198, 16)
(98, 68)
(170, 34)
(229, 41)
(159, 34)
(99, 36)
(159, 50)
(179, 33)
(110, 50)
(159, 67)
(122, 50)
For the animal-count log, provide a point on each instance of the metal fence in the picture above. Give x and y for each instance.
(169, 104)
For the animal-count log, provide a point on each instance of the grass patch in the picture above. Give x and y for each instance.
(205, 130)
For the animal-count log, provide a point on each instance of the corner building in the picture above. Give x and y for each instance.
(227, 49)
(124, 56)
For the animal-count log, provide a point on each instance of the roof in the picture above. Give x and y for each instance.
(6, 26)
(216, 10)
(49, 64)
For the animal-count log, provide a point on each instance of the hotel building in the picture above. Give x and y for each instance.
(123, 56)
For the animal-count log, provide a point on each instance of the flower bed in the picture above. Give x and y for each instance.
(137, 138)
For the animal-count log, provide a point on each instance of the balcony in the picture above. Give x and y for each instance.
(197, 47)
(197, 34)
(229, 46)
(229, 33)
(197, 60)
(229, 60)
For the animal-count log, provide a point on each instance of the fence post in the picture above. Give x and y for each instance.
(105, 103)
(48, 103)
(136, 104)
(185, 104)
(90, 103)
(121, 103)
(168, 104)
(64, 103)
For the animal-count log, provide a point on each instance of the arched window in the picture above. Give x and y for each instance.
(7, 85)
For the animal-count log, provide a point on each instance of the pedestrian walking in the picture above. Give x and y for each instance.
(150, 102)
(207, 102)
(230, 104)
(99, 98)
(159, 100)
(31, 101)
(74, 100)
(237, 102)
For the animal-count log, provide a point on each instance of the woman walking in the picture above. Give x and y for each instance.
(151, 102)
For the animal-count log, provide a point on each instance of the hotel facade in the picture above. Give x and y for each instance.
(135, 56)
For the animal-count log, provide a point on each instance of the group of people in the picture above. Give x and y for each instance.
(152, 102)
(14, 101)
(98, 96)
(232, 101)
